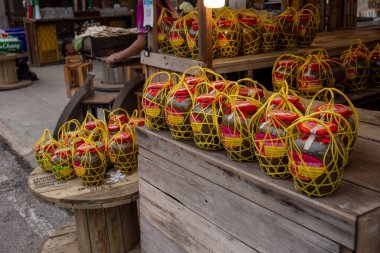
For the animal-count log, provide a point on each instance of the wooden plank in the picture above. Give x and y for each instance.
(345, 250)
(115, 230)
(369, 116)
(153, 240)
(368, 239)
(65, 229)
(61, 237)
(170, 62)
(333, 15)
(63, 240)
(97, 225)
(68, 248)
(336, 215)
(220, 206)
(187, 229)
(361, 170)
(83, 233)
(369, 132)
(130, 225)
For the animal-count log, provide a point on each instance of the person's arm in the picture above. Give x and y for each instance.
(134, 49)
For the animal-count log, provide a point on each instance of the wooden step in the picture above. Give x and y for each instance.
(64, 240)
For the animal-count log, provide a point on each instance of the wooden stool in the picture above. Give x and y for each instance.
(106, 218)
(75, 73)
(95, 101)
(65, 240)
(73, 59)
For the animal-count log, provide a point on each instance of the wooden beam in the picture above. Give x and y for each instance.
(205, 42)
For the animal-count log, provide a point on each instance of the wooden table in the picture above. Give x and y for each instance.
(105, 216)
(198, 201)
(8, 72)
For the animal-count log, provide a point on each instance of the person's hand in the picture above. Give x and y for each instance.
(113, 57)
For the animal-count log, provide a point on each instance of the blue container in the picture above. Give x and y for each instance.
(18, 33)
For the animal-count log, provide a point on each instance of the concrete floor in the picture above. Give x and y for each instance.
(25, 223)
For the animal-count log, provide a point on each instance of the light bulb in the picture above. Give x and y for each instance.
(214, 3)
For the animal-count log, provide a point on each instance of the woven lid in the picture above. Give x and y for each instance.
(206, 98)
(183, 91)
(337, 108)
(86, 148)
(90, 125)
(122, 137)
(192, 80)
(78, 142)
(157, 85)
(246, 107)
(63, 152)
(283, 115)
(249, 91)
(309, 127)
(136, 122)
(49, 147)
(286, 62)
(121, 117)
(278, 99)
(250, 21)
(219, 85)
(288, 18)
(113, 127)
(224, 23)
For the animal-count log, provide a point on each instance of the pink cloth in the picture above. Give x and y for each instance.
(140, 13)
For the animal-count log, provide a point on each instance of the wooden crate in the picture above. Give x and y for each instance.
(99, 47)
(198, 201)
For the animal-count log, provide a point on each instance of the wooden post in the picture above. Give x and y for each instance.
(205, 42)
(152, 36)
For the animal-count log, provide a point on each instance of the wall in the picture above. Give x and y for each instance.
(3, 17)
(362, 5)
